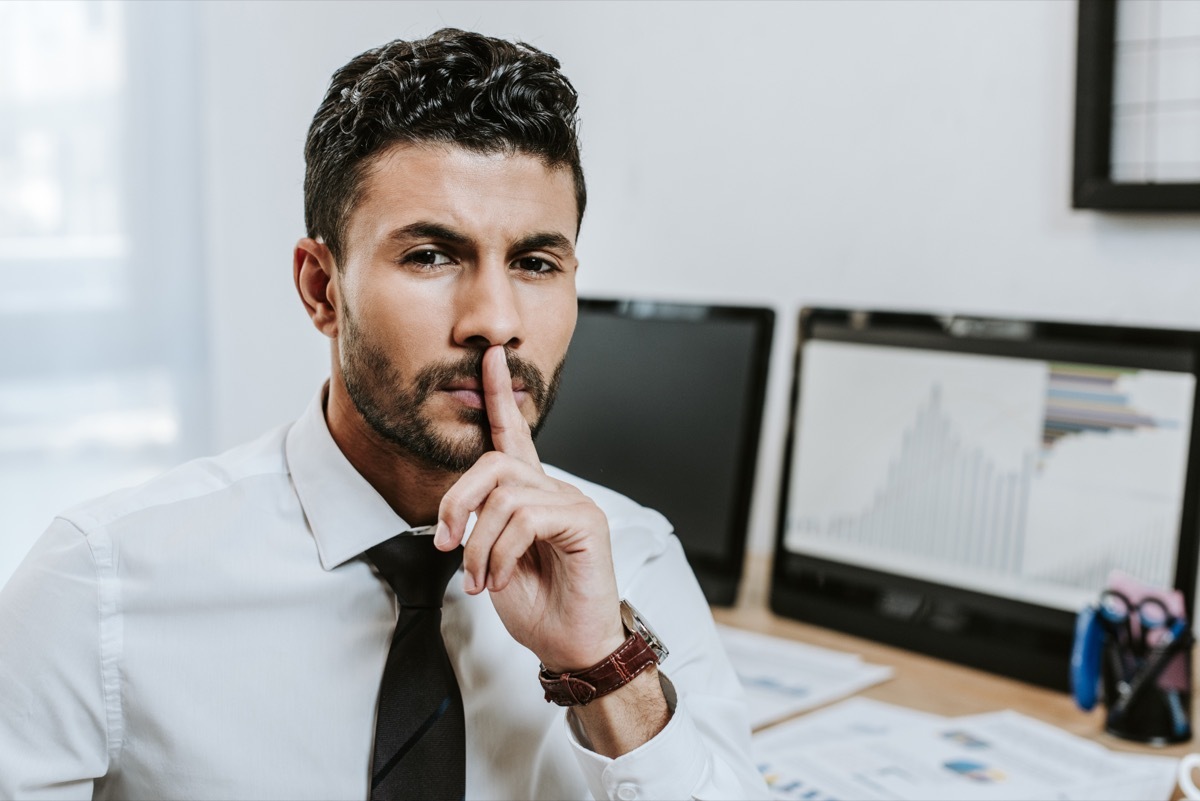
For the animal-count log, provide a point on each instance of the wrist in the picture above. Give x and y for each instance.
(617, 723)
(581, 655)
(640, 650)
(587, 657)
(580, 688)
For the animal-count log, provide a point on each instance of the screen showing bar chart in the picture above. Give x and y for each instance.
(1017, 477)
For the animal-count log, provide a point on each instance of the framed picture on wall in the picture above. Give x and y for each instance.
(1137, 106)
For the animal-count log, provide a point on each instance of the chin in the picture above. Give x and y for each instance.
(463, 443)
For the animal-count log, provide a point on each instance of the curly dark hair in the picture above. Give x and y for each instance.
(454, 87)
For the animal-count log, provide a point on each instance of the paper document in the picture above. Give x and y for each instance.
(783, 677)
(865, 749)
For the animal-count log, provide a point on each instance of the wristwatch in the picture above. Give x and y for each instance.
(634, 622)
(641, 649)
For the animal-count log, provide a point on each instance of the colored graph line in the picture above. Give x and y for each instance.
(1085, 398)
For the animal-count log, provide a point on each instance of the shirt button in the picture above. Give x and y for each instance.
(627, 791)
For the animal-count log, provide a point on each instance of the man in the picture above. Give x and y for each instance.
(231, 629)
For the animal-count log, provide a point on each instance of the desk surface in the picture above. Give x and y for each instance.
(929, 684)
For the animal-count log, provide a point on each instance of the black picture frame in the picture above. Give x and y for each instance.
(1092, 186)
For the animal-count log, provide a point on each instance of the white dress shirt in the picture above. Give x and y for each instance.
(214, 634)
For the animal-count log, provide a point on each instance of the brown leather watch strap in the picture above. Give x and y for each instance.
(580, 687)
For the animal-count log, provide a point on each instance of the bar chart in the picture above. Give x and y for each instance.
(1028, 478)
(937, 488)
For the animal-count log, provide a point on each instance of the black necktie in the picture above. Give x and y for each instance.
(420, 749)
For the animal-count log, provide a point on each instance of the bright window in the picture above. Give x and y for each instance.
(99, 302)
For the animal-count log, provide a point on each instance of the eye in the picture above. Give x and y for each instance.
(535, 264)
(427, 258)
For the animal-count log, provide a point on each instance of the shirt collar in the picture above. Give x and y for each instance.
(347, 516)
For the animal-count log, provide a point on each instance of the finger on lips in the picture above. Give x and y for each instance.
(508, 465)
(509, 428)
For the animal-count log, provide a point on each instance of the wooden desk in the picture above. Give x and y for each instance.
(929, 684)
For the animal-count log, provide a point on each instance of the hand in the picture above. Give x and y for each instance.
(540, 546)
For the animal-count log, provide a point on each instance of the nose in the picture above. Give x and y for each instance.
(487, 309)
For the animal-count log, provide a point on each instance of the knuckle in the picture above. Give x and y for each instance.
(491, 459)
(502, 500)
(593, 514)
(452, 500)
(502, 556)
(508, 550)
(569, 489)
(524, 516)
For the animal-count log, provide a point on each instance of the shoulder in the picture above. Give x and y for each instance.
(191, 480)
(621, 510)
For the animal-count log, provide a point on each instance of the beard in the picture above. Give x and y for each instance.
(398, 411)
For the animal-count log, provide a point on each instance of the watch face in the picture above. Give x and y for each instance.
(635, 622)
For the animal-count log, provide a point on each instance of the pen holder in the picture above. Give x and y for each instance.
(1135, 647)
(1148, 695)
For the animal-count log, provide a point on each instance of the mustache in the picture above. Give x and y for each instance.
(438, 374)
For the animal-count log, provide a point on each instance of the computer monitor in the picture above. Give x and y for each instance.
(663, 402)
(963, 486)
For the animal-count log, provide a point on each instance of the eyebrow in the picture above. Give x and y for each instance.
(430, 230)
(545, 240)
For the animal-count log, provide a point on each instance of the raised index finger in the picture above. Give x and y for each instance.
(510, 429)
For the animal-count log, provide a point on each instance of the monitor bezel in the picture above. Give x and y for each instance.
(719, 577)
(1024, 640)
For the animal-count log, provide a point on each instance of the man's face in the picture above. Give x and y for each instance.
(449, 252)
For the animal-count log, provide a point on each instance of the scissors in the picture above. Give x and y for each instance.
(1117, 614)
(1174, 639)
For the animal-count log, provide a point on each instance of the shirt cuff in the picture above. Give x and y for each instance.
(672, 764)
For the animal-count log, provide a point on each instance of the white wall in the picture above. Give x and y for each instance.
(902, 154)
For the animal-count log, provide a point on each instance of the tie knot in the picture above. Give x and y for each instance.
(416, 571)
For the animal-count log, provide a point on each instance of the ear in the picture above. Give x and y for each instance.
(314, 271)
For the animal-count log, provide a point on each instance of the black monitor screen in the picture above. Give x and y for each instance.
(663, 403)
(965, 486)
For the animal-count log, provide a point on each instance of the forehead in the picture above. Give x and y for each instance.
(488, 196)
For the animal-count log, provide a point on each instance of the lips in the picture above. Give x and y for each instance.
(462, 381)
(470, 393)
(471, 398)
(477, 387)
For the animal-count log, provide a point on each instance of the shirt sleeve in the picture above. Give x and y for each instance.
(53, 716)
(704, 750)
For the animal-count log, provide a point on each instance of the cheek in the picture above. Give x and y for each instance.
(408, 326)
(396, 305)
(550, 335)
(561, 323)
